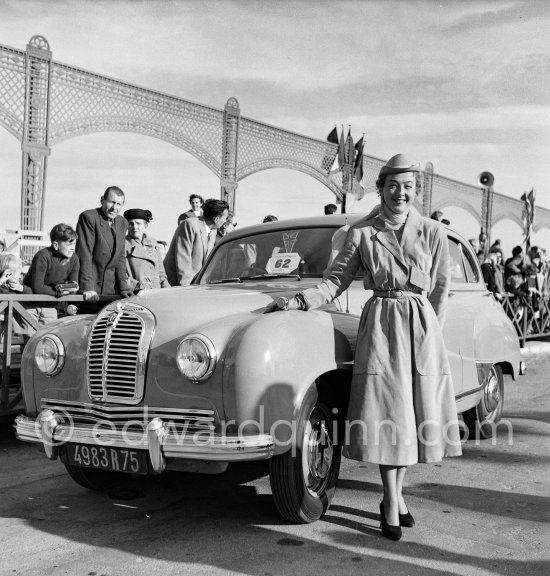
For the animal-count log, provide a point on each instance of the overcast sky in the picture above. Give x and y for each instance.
(464, 85)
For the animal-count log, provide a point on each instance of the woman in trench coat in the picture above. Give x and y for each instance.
(143, 257)
(402, 408)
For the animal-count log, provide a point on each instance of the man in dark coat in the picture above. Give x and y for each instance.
(100, 248)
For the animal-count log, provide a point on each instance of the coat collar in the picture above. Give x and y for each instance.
(411, 232)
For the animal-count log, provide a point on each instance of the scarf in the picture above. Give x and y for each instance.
(391, 220)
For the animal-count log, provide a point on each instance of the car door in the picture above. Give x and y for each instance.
(465, 301)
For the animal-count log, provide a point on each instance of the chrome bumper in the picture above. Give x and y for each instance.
(158, 440)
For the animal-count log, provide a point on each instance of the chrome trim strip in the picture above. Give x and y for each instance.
(198, 446)
(123, 409)
(469, 392)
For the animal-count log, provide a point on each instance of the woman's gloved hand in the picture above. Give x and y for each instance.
(283, 303)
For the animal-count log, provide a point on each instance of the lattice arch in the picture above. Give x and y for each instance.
(299, 166)
(43, 102)
(458, 203)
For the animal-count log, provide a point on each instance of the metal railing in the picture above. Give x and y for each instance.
(12, 306)
(530, 314)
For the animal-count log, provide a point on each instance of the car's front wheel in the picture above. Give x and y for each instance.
(303, 480)
(96, 479)
(482, 419)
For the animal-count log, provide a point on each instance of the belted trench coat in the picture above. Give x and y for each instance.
(402, 408)
(144, 264)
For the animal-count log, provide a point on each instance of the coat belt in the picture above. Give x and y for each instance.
(397, 293)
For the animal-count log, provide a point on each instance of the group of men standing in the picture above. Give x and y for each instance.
(101, 244)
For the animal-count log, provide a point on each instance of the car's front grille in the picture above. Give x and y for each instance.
(131, 418)
(117, 353)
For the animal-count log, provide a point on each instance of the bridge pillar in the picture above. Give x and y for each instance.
(228, 179)
(428, 184)
(34, 144)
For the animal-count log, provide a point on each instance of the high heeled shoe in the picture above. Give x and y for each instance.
(389, 530)
(406, 520)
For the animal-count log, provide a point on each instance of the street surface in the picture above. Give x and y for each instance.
(486, 513)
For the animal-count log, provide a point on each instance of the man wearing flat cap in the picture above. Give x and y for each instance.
(143, 256)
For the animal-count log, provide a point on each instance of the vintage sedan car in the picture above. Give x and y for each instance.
(193, 378)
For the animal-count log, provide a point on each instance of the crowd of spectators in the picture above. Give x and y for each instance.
(110, 254)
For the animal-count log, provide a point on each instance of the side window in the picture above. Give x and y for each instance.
(464, 267)
(472, 268)
(458, 273)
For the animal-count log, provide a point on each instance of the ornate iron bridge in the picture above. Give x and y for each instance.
(43, 102)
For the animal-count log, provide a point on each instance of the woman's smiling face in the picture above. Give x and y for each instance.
(399, 191)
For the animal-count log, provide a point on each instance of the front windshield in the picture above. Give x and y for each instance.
(304, 251)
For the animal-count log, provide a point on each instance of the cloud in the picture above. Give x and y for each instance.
(488, 15)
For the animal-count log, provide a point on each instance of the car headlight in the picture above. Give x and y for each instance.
(49, 355)
(196, 357)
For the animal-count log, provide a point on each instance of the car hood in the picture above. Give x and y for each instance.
(184, 309)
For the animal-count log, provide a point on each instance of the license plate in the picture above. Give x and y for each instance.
(107, 458)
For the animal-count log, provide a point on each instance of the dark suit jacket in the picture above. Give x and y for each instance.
(187, 251)
(101, 253)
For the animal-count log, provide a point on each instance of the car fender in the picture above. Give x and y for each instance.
(271, 363)
(495, 338)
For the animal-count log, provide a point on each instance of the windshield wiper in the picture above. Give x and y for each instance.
(260, 276)
(224, 280)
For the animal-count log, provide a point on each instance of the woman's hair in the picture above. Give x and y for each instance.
(193, 196)
(9, 260)
(381, 180)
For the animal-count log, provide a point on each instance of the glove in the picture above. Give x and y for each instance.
(90, 296)
(284, 303)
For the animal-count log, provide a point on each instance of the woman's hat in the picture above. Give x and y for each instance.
(398, 164)
(138, 213)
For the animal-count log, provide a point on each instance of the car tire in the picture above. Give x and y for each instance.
(304, 484)
(481, 419)
(96, 479)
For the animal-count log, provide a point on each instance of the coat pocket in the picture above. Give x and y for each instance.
(419, 279)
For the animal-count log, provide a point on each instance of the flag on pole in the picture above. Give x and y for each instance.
(341, 151)
(349, 151)
(528, 213)
(330, 154)
(358, 188)
(333, 136)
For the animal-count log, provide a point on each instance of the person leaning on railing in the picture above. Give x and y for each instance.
(57, 264)
(492, 273)
(10, 283)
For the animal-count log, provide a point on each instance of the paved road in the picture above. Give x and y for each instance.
(486, 513)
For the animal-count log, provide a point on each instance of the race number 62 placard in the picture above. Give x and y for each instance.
(283, 263)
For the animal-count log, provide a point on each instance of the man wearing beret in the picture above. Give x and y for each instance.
(193, 241)
(100, 248)
(143, 257)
